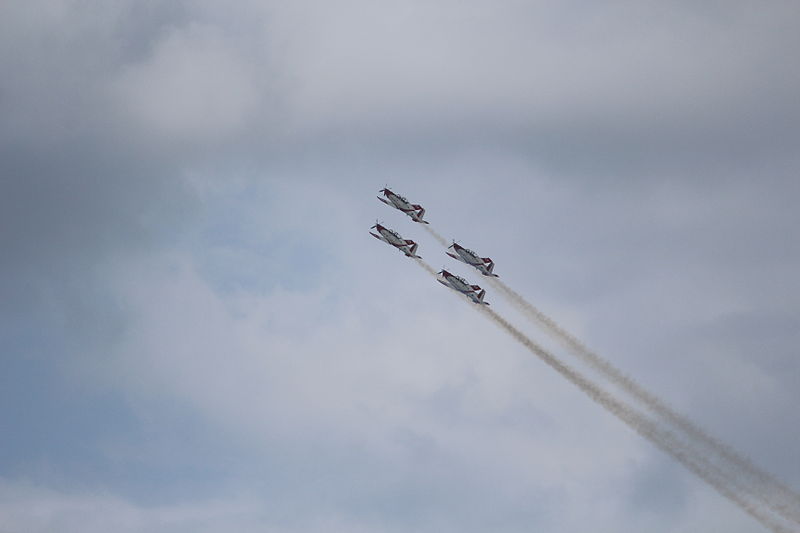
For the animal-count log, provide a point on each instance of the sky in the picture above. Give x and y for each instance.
(197, 332)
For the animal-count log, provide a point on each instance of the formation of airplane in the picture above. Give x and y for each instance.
(483, 264)
(393, 238)
(415, 211)
(459, 284)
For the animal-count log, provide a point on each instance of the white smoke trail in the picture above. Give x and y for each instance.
(667, 442)
(435, 235)
(426, 266)
(771, 491)
(691, 458)
(766, 487)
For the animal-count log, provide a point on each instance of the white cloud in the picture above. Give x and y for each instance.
(36, 509)
(629, 67)
(281, 326)
(195, 86)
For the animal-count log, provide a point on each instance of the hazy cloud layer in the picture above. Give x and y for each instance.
(198, 334)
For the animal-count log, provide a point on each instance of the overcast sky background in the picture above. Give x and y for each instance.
(198, 334)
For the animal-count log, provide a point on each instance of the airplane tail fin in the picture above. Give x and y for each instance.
(490, 267)
(413, 250)
(480, 297)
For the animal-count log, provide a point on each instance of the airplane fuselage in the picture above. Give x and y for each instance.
(469, 256)
(459, 284)
(390, 237)
(472, 259)
(416, 212)
(399, 203)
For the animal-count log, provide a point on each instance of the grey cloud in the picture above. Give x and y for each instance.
(572, 75)
(185, 196)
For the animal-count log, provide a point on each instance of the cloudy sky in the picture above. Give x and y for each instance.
(198, 334)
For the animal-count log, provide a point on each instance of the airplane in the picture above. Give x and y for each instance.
(388, 236)
(398, 202)
(460, 284)
(484, 264)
